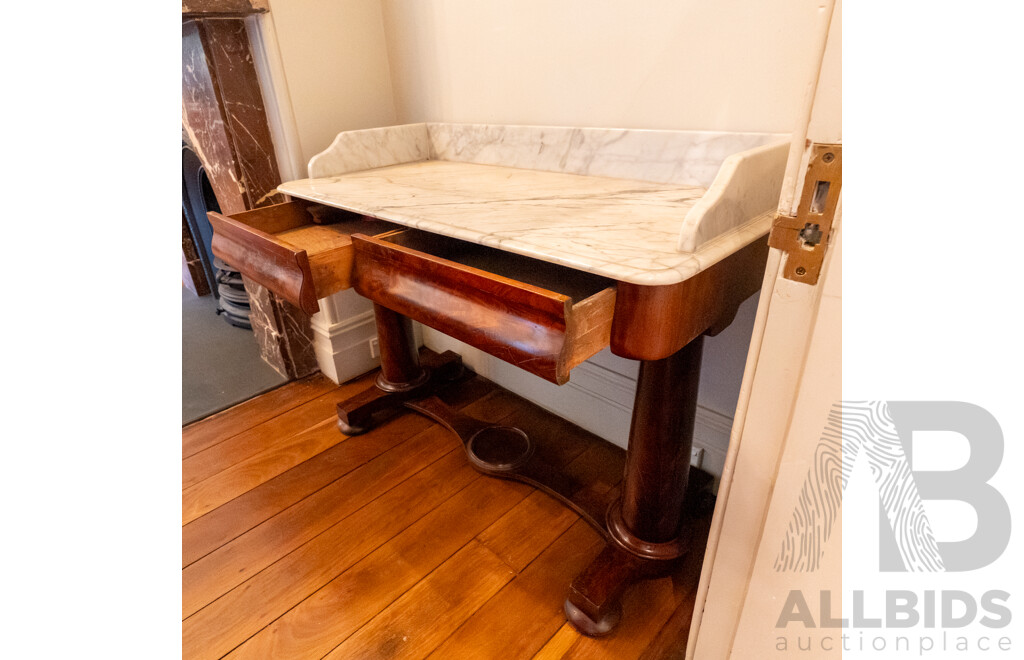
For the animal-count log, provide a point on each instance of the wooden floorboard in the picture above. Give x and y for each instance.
(300, 542)
(214, 429)
(234, 518)
(519, 619)
(263, 437)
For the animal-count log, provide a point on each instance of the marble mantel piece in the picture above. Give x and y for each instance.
(638, 206)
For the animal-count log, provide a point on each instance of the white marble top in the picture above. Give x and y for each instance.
(628, 229)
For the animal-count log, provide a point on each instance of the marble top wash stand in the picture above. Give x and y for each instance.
(540, 246)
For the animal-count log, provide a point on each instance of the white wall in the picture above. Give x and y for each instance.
(335, 64)
(688, 64)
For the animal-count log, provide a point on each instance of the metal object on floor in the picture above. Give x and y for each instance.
(233, 301)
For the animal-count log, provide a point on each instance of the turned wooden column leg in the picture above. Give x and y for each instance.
(645, 523)
(660, 441)
(400, 368)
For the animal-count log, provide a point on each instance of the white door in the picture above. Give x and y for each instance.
(793, 376)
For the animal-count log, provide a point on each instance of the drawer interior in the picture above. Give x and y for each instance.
(311, 227)
(575, 284)
(299, 250)
(320, 238)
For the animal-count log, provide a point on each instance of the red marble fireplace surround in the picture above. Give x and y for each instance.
(225, 121)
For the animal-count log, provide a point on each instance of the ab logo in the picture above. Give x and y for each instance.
(882, 432)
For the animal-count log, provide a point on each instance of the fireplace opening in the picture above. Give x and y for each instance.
(197, 199)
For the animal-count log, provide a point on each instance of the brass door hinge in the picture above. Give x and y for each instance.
(805, 238)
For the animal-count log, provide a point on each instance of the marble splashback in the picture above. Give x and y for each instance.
(683, 157)
(748, 184)
(353, 151)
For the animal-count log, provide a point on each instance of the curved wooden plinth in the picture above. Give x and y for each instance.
(509, 453)
(365, 410)
(593, 604)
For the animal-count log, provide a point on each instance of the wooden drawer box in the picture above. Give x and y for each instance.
(299, 250)
(538, 316)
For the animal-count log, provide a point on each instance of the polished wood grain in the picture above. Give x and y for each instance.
(646, 523)
(266, 260)
(291, 250)
(526, 529)
(216, 428)
(400, 368)
(244, 512)
(257, 549)
(653, 322)
(380, 497)
(355, 597)
(242, 612)
(540, 329)
(516, 622)
(433, 609)
(397, 458)
(263, 466)
(402, 377)
(642, 521)
(207, 463)
(459, 564)
(661, 436)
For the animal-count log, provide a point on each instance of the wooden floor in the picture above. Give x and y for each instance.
(298, 542)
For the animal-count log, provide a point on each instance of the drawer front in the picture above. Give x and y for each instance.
(264, 259)
(537, 329)
(299, 250)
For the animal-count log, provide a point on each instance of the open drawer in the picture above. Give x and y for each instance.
(299, 250)
(538, 316)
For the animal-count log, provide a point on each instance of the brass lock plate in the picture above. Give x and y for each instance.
(805, 237)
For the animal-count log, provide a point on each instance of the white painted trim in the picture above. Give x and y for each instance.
(333, 330)
(343, 348)
(711, 431)
(284, 131)
(794, 311)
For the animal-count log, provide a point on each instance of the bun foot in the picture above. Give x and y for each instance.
(589, 627)
(351, 430)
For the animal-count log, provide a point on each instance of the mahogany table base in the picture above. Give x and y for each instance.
(643, 519)
(401, 376)
(365, 410)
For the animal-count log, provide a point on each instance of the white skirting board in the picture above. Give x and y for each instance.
(342, 336)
